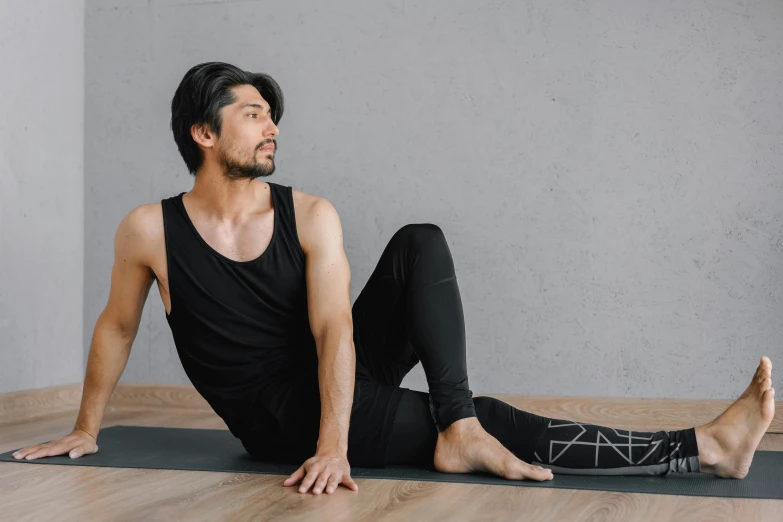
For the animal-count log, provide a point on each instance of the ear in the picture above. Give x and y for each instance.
(202, 134)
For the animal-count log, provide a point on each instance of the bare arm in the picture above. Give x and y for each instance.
(112, 337)
(329, 309)
(117, 326)
(109, 352)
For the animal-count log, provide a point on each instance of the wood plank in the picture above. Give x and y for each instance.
(64, 493)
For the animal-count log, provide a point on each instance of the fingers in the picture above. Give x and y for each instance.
(321, 482)
(295, 477)
(41, 451)
(321, 477)
(312, 474)
(348, 481)
(77, 445)
(328, 479)
(334, 481)
(33, 452)
(22, 453)
(81, 450)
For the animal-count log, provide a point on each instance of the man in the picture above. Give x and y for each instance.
(255, 283)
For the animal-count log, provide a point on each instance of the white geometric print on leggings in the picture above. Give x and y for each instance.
(616, 443)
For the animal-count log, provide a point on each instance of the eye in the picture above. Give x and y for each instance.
(252, 114)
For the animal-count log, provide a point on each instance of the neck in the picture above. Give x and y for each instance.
(227, 200)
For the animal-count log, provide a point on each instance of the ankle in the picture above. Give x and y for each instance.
(460, 427)
(707, 446)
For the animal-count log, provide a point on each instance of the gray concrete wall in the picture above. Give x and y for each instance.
(609, 174)
(41, 193)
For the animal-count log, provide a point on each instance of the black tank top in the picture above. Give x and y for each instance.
(242, 333)
(241, 328)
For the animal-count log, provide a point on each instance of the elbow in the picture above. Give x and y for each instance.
(336, 333)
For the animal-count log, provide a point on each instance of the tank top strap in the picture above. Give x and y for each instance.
(175, 224)
(284, 203)
(172, 214)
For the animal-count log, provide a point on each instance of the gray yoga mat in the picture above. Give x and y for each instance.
(218, 450)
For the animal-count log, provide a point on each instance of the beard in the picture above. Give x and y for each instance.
(236, 171)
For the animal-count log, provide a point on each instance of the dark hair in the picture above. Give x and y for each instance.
(201, 94)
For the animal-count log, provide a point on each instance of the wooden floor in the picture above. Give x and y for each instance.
(45, 492)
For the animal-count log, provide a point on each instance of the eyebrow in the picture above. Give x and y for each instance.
(258, 105)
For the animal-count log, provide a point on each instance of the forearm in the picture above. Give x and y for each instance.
(109, 352)
(336, 371)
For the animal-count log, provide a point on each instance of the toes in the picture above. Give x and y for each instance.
(763, 373)
(520, 470)
(544, 473)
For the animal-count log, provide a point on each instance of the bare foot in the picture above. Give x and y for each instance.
(727, 444)
(465, 446)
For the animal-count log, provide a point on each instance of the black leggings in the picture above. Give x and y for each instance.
(411, 307)
(563, 446)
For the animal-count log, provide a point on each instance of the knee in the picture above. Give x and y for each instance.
(424, 246)
(422, 235)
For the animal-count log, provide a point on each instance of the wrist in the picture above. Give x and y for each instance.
(331, 447)
(86, 432)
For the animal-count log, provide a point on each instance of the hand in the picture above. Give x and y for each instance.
(328, 469)
(77, 443)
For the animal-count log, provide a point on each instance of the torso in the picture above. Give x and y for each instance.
(242, 244)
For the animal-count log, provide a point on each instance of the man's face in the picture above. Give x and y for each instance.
(246, 146)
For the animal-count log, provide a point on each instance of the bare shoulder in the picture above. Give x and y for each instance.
(140, 233)
(316, 219)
